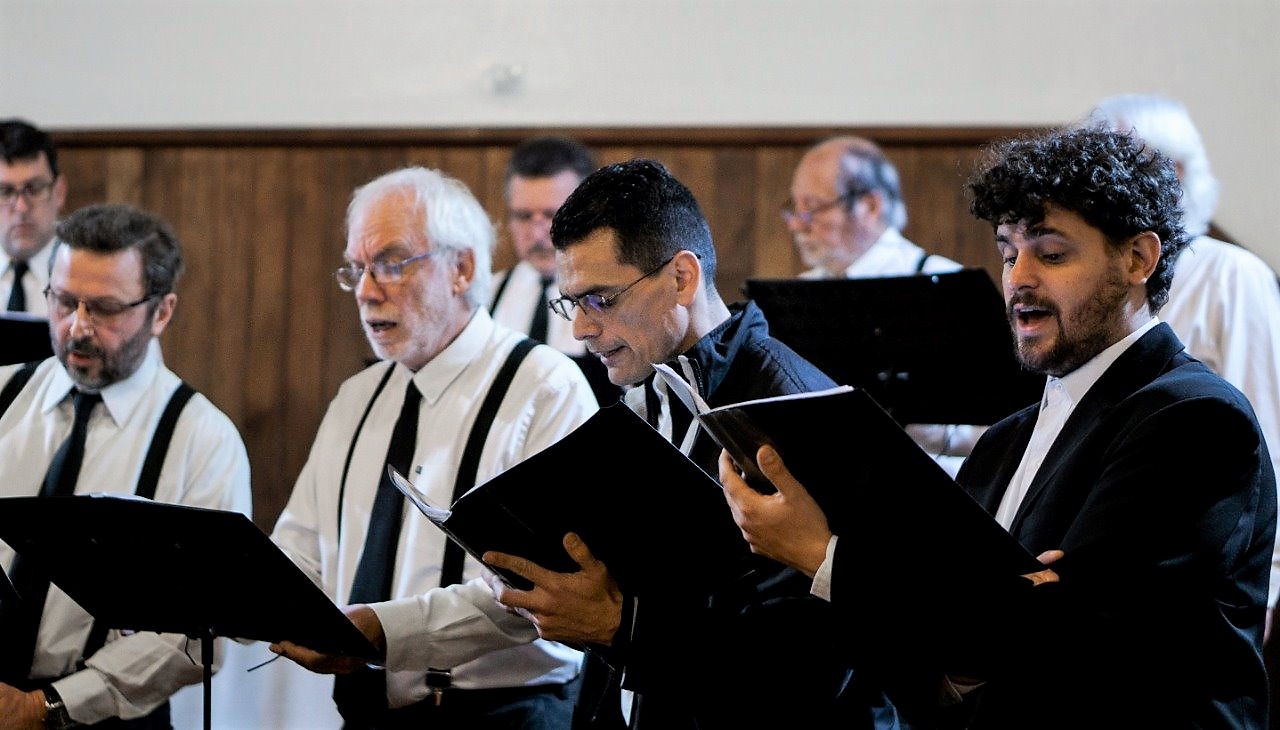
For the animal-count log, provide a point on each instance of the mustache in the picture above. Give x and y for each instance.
(1029, 300)
(83, 346)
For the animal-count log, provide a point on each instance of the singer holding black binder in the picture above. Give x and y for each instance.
(455, 399)
(637, 270)
(88, 420)
(1144, 468)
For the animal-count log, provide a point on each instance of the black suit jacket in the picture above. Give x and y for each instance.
(1161, 493)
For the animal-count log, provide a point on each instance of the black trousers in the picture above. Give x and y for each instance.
(541, 707)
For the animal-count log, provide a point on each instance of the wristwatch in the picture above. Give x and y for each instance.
(55, 711)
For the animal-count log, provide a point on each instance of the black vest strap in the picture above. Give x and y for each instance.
(147, 481)
(469, 466)
(16, 384)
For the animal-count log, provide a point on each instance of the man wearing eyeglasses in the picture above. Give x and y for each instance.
(31, 195)
(846, 215)
(637, 270)
(91, 419)
(541, 174)
(457, 399)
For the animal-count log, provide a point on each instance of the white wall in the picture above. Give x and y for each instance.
(428, 63)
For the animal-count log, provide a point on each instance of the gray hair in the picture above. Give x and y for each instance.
(452, 218)
(1166, 125)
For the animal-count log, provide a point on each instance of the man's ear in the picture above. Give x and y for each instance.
(688, 271)
(869, 206)
(464, 270)
(164, 313)
(1144, 253)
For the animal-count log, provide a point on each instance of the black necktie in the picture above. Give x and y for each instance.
(19, 624)
(362, 695)
(538, 328)
(17, 296)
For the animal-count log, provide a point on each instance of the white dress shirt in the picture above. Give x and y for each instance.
(460, 627)
(890, 255)
(1225, 307)
(206, 466)
(33, 284)
(522, 294)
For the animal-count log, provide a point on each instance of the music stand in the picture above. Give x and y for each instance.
(932, 348)
(25, 338)
(121, 558)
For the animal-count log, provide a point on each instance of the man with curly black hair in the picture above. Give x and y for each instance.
(1141, 476)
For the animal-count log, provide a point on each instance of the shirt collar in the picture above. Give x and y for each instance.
(118, 399)
(37, 265)
(434, 378)
(1079, 381)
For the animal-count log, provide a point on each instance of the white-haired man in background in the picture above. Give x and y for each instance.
(1224, 303)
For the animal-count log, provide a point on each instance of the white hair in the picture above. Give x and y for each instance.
(1166, 125)
(453, 219)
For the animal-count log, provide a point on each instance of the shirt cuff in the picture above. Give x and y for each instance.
(822, 579)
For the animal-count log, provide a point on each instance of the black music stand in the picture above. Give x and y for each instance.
(25, 338)
(241, 585)
(930, 348)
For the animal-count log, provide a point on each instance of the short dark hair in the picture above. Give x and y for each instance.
(108, 228)
(1108, 178)
(20, 140)
(652, 213)
(550, 155)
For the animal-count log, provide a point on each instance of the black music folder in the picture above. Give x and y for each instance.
(875, 485)
(931, 348)
(150, 566)
(644, 509)
(25, 338)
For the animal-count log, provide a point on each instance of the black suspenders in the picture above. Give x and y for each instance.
(469, 465)
(451, 566)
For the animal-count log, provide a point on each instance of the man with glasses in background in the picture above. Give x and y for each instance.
(636, 268)
(91, 419)
(846, 215)
(457, 400)
(541, 174)
(32, 193)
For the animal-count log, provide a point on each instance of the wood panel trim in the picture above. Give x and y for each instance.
(476, 136)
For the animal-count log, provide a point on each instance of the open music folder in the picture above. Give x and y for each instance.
(875, 485)
(643, 508)
(932, 348)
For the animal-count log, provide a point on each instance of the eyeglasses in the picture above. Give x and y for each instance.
(805, 217)
(62, 304)
(595, 303)
(36, 191)
(383, 272)
(521, 215)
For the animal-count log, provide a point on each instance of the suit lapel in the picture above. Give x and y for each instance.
(1139, 365)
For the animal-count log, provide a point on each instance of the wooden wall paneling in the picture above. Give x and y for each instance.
(175, 181)
(774, 254)
(319, 348)
(124, 170)
(265, 332)
(732, 198)
(492, 195)
(259, 232)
